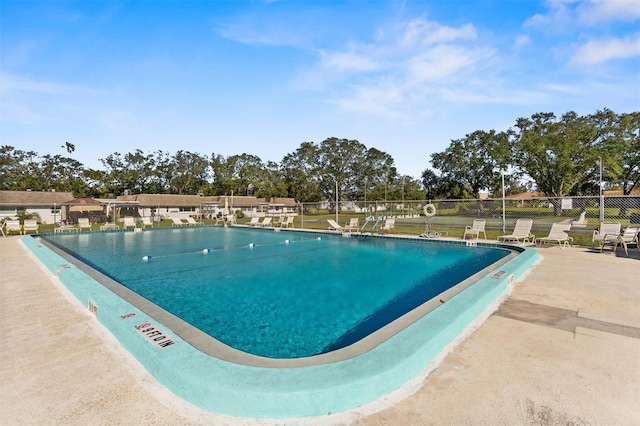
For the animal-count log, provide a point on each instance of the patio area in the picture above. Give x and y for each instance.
(563, 349)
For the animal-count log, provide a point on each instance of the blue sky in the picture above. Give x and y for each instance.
(261, 77)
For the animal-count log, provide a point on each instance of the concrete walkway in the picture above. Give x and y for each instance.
(563, 349)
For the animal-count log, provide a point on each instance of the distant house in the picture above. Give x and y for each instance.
(162, 206)
(45, 204)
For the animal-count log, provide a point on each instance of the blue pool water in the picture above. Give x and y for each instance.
(279, 299)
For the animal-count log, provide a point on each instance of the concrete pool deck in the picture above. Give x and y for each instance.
(564, 348)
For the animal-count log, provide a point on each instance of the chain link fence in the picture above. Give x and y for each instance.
(452, 216)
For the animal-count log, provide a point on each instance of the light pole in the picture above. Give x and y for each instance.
(365, 194)
(601, 196)
(337, 206)
(503, 206)
(403, 196)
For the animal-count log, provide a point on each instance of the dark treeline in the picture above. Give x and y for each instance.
(555, 155)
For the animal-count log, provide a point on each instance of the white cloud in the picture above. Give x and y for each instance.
(13, 83)
(426, 33)
(597, 11)
(348, 61)
(521, 41)
(440, 63)
(567, 14)
(603, 50)
(396, 72)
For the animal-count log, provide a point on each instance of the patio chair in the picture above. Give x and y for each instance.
(230, 219)
(286, 222)
(559, 233)
(335, 226)
(255, 221)
(12, 226)
(580, 221)
(353, 225)
(607, 231)
(475, 229)
(629, 236)
(178, 222)
(146, 221)
(192, 222)
(388, 225)
(522, 231)
(130, 222)
(83, 223)
(30, 225)
(266, 222)
(109, 226)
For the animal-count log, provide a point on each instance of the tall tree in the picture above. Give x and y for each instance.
(190, 173)
(64, 174)
(298, 170)
(316, 171)
(557, 154)
(472, 161)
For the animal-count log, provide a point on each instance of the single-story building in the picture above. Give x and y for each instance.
(162, 206)
(46, 205)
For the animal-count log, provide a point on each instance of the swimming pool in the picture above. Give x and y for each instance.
(279, 295)
(222, 384)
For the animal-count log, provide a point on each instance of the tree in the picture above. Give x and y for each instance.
(63, 174)
(238, 174)
(556, 154)
(20, 170)
(442, 187)
(621, 146)
(313, 171)
(471, 162)
(190, 173)
(298, 170)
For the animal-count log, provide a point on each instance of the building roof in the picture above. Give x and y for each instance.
(169, 200)
(34, 198)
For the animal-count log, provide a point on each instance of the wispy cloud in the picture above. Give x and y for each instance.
(603, 50)
(10, 83)
(598, 11)
(392, 74)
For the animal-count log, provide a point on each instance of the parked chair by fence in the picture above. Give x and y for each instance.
(475, 229)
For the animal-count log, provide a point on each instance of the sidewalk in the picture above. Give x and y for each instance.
(564, 348)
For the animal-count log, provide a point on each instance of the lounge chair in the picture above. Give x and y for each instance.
(629, 236)
(12, 226)
(286, 222)
(580, 221)
(353, 225)
(30, 225)
(83, 223)
(559, 233)
(109, 226)
(130, 222)
(522, 231)
(388, 225)
(192, 222)
(335, 226)
(607, 231)
(255, 221)
(178, 222)
(475, 229)
(266, 222)
(146, 221)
